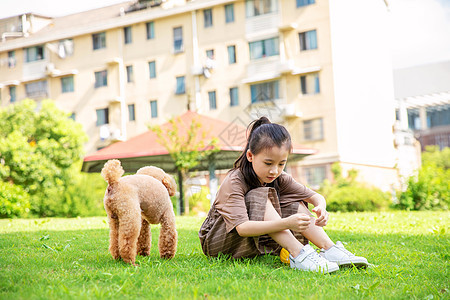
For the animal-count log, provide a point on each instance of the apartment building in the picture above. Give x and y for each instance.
(322, 68)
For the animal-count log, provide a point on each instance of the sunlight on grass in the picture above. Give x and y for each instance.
(68, 258)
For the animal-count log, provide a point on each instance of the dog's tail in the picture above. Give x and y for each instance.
(112, 171)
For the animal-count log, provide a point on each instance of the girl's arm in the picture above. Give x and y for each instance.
(320, 208)
(297, 222)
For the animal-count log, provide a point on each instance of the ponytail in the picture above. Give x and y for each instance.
(262, 135)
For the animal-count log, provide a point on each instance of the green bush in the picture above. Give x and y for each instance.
(14, 201)
(199, 202)
(357, 198)
(429, 189)
(345, 194)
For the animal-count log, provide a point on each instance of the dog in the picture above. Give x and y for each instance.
(134, 202)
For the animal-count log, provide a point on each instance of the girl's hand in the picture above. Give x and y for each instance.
(298, 222)
(322, 215)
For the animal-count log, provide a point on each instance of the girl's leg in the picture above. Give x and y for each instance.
(284, 238)
(314, 233)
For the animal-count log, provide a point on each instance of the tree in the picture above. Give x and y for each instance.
(187, 145)
(40, 150)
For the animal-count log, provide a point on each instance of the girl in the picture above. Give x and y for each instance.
(260, 209)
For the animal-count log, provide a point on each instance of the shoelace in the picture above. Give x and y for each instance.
(341, 247)
(318, 259)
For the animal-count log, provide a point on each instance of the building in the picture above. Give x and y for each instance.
(422, 95)
(311, 65)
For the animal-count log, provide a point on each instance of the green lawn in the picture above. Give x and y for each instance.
(68, 258)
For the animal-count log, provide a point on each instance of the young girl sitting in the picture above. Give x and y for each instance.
(260, 209)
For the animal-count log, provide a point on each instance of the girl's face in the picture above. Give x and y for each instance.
(269, 163)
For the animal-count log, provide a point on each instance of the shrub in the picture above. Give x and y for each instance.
(346, 194)
(199, 202)
(429, 189)
(14, 201)
(357, 198)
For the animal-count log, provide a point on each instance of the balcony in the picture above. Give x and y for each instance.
(262, 25)
(439, 136)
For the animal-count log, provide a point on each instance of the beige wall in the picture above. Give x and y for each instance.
(86, 99)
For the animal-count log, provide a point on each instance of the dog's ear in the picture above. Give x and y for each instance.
(170, 184)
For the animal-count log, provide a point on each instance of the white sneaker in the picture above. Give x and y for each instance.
(343, 257)
(310, 260)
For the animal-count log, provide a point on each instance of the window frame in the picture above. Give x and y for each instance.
(265, 48)
(212, 100)
(272, 86)
(308, 40)
(101, 79)
(229, 13)
(153, 109)
(131, 112)
(32, 57)
(152, 69)
(234, 96)
(98, 40)
(130, 73)
(231, 56)
(127, 35)
(207, 18)
(303, 3)
(313, 131)
(67, 84)
(98, 122)
(178, 45)
(150, 29)
(180, 87)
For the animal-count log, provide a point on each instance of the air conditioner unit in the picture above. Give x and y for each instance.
(50, 68)
(289, 111)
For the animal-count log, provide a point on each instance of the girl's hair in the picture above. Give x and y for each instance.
(263, 135)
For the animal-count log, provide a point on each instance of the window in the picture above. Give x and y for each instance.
(315, 176)
(130, 76)
(127, 35)
(229, 13)
(308, 40)
(34, 53)
(37, 89)
(180, 86)
(207, 17)
(264, 48)
(11, 59)
(154, 109)
(255, 8)
(72, 116)
(150, 30)
(309, 84)
(234, 97)
(438, 115)
(178, 39)
(101, 78)
(12, 94)
(152, 69)
(131, 113)
(212, 100)
(65, 48)
(99, 40)
(102, 116)
(231, 54)
(305, 2)
(313, 129)
(264, 91)
(67, 84)
(210, 54)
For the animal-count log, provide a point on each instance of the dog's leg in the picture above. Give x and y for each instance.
(168, 236)
(114, 237)
(130, 226)
(145, 239)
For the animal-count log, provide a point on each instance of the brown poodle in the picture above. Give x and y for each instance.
(134, 202)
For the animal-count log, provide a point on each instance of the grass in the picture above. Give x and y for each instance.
(68, 258)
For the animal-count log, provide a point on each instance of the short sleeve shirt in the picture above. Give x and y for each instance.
(230, 198)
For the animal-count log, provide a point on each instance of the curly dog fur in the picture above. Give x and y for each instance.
(134, 202)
